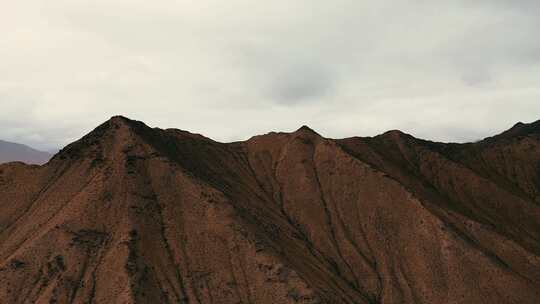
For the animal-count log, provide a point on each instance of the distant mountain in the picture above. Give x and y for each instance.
(133, 214)
(10, 152)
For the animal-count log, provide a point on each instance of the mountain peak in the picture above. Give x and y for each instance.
(112, 132)
(393, 133)
(307, 130)
(119, 119)
(305, 127)
(518, 130)
(526, 128)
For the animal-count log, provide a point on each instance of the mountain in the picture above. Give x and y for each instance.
(10, 152)
(133, 214)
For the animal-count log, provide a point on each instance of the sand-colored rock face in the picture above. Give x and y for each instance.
(131, 214)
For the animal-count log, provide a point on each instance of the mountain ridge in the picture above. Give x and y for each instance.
(133, 214)
(10, 152)
(523, 129)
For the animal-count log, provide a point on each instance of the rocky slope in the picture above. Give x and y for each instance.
(131, 214)
(10, 152)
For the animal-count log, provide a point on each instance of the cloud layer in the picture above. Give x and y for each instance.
(442, 70)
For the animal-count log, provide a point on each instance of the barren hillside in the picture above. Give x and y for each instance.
(132, 214)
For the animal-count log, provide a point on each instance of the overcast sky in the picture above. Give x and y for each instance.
(454, 70)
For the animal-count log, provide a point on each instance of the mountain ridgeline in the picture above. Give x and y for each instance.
(10, 152)
(133, 214)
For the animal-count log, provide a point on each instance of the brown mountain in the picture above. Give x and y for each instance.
(10, 152)
(131, 214)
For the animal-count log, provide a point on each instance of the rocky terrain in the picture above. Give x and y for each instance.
(10, 152)
(132, 214)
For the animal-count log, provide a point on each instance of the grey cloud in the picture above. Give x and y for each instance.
(445, 70)
(301, 84)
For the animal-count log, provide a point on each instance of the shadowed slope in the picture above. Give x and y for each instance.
(130, 214)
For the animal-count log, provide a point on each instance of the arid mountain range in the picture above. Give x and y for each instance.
(133, 214)
(10, 152)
